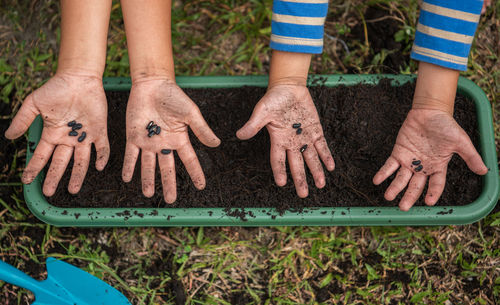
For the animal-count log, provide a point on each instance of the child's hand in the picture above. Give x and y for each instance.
(65, 98)
(278, 110)
(424, 146)
(164, 103)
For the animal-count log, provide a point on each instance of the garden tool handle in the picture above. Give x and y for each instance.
(16, 277)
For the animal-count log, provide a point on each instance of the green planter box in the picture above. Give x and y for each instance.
(356, 216)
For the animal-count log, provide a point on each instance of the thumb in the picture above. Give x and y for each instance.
(256, 122)
(23, 119)
(201, 129)
(470, 155)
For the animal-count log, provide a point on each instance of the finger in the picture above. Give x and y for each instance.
(436, 186)
(298, 173)
(168, 179)
(60, 160)
(278, 165)
(470, 155)
(102, 151)
(257, 121)
(148, 166)
(131, 154)
(389, 167)
(315, 167)
(398, 184)
(415, 189)
(324, 153)
(23, 119)
(41, 156)
(201, 129)
(190, 160)
(80, 167)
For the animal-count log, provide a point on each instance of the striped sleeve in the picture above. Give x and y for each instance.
(297, 25)
(445, 32)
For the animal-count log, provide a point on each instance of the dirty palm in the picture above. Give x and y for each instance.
(426, 141)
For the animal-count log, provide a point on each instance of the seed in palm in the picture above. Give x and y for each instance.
(73, 133)
(299, 130)
(296, 125)
(150, 124)
(419, 168)
(82, 137)
(151, 133)
(158, 130)
(77, 126)
(303, 148)
(416, 162)
(72, 123)
(166, 151)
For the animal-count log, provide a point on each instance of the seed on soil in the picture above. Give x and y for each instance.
(158, 130)
(299, 130)
(77, 126)
(303, 148)
(73, 133)
(82, 137)
(150, 124)
(151, 133)
(419, 168)
(166, 151)
(72, 123)
(296, 125)
(417, 162)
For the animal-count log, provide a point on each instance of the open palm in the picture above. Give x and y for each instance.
(425, 144)
(164, 103)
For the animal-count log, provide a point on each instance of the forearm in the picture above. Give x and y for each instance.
(148, 28)
(84, 32)
(436, 88)
(289, 68)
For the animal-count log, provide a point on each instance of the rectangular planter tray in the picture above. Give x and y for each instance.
(328, 216)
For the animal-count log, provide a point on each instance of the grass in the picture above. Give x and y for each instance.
(279, 265)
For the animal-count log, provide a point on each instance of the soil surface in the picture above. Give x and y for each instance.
(360, 124)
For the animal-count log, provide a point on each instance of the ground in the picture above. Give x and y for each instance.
(278, 265)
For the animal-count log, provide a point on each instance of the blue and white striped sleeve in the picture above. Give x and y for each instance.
(445, 32)
(297, 25)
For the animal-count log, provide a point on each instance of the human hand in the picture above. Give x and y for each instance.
(164, 103)
(65, 98)
(424, 146)
(282, 106)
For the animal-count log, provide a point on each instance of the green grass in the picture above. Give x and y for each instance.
(279, 265)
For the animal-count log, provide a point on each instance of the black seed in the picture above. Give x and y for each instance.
(150, 124)
(166, 151)
(76, 126)
(72, 123)
(73, 133)
(158, 130)
(419, 168)
(151, 133)
(299, 130)
(82, 137)
(303, 148)
(416, 162)
(296, 125)
(152, 127)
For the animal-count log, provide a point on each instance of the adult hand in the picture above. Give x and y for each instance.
(424, 146)
(282, 106)
(164, 103)
(65, 98)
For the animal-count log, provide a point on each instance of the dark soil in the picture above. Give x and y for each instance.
(381, 29)
(360, 124)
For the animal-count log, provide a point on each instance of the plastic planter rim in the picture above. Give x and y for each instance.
(328, 216)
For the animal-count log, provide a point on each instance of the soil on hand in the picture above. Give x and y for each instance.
(360, 124)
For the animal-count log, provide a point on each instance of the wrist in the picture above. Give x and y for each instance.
(289, 68)
(79, 72)
(148, 74)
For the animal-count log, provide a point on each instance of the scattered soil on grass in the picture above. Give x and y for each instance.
(360, 124)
